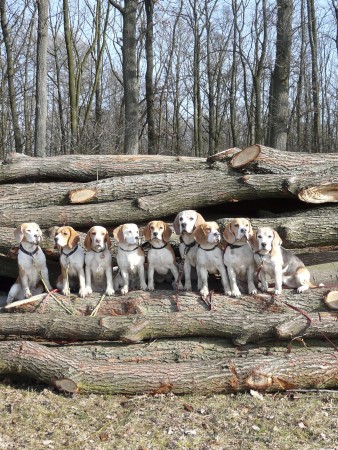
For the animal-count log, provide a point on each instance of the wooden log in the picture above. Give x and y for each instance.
(92, 167)
(269, 373)
(241, 327)
(184, 350)
(165, 301)
(261, 159)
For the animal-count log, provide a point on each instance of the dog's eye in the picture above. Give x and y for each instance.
(161, 228)
(259, 236)
(151, 227)
(237, 225)
(191, 218)
(181, 218)
(269, 237)
(94, 233)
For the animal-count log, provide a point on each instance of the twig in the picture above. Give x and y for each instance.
(97, 307)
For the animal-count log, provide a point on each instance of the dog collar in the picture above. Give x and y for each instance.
(188, 247)
(67, 255)
(158, 248)
(28, 253)
(233, 246)
(132, 250)
(100, 251)
(207, 249)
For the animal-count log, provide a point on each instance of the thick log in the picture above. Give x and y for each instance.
(184, 350)
(166, 301)
(92, 167)
(261, 159)
(147, 197)
(241, 327)
(267, 373)
(305, 228)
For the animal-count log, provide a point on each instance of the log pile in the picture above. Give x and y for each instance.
(164, 341)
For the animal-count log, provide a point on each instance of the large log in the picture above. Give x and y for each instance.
(261, 159)
(91, 167)
(265, 373)
(241, 327)
(166, 301)
(199, 190)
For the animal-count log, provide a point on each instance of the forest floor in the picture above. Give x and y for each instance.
(34, 418)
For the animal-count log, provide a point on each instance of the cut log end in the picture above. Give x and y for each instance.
(331, 300)
(78, 196)
(246, 156)
(224, 155)
(65, 385)
(319, 194)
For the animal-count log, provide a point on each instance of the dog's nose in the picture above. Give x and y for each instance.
(263, 244)
(242, 230)
(155, 233)
(183, 224)
(56, 239)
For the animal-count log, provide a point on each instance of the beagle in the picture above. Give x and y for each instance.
(31, 262)
(71, 260)
(161, 257)
(209, 257)
(281, 264)
(99, 275)
(184, 224)
(238, 255)
(130, 258)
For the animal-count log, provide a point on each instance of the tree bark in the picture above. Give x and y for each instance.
(41, 80)
(267, 373)
(149, 7)
(261, 159)
(242, 326)
(92, 167)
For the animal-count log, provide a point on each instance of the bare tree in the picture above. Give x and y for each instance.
(279, 98)
(149, 7)
(41, 80)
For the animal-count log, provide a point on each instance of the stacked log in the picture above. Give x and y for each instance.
(164, 341)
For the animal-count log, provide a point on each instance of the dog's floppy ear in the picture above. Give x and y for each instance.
(18, 233)
(250, 228)
(88, 240)
(276, 243)
(228, 234)
(199, 220)
(118, 233)
(253, 241)
(147, 232)
(199, 233)
(176, 224)
(74, 238)
(107, 239)
(167, 232)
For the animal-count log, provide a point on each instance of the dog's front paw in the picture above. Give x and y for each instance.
(124, 290)
(82, 293)
(253, 292)
(28, 293)
(302, 289)
(89, 290)
(151, 287)
(236, 292)
(277, 291)
(188, 287)
(66, 291)
(144, 287)
(110, 291)
(9, 300)
(204, 293)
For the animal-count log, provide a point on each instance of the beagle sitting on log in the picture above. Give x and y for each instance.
(72, 260)
(130, 259)
(209, 257)
(161, 257)
(184, 226)
(277, 262)
(99, 276)
(238, 256)
(31, 262)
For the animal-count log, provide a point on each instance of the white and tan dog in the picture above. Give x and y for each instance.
(99, 275)
(238, 256)
(31, 262)
(130, 259)
(184, 225)
(277, 262)
(71, 260)
(161, 257)
(209, 257)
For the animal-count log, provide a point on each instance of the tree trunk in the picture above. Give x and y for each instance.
(269, 373)
(91, 167)
(41, 81)
(149, 7)
(261, 159)
(10, 77)
(279, 105)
